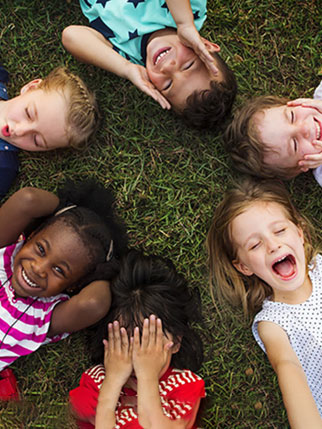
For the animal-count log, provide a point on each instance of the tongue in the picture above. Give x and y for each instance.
(284, 268)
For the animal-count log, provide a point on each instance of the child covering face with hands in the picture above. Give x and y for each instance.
(149, 338)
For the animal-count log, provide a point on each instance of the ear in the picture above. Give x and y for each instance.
(242, 268)
(176, 347)
(30, 85)
(212, 47)
(301, 234)
(304, 169)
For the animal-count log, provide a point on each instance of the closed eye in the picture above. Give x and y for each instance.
(295, 145)
(189, 65)
(292, 117)
(255, 246)
(27, 113)
(279, 231)
(167, 86)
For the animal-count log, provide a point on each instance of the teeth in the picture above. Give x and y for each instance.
(27, 279)
(161, 55)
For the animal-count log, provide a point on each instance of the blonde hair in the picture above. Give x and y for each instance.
(245, 145)
(233, 286)
(82, 111)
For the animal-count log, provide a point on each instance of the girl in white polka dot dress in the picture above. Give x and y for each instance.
(261, 257)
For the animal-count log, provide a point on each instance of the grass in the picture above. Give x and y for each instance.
(167, 180)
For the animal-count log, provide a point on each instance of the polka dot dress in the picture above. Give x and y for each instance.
(303, 325)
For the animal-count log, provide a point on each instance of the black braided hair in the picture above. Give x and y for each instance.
(95, 222)
(151, 285)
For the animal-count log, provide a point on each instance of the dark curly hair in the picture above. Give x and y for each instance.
(151, 285)
(211, 107)
(96, 224)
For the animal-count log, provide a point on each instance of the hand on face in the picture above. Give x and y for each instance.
(118, 353)
(313, 160)
(190, 37)
(153, 353)
(138, 76)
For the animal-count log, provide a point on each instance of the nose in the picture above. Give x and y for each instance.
(39, 267)
(272, 244)
(22, 128)
(303, 129)
(168, 66)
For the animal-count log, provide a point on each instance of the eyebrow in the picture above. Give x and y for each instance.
(36, 117)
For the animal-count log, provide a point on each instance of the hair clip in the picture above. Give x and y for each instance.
(64, 209)
(109, 255)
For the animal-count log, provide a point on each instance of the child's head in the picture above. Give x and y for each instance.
(55, 112)
(258, 244)
(72, 247)
(268, 138)
(194, 92)
(151, 285)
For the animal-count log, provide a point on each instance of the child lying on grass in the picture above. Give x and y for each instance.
(274, 137)
(48, 114)
(156, 45)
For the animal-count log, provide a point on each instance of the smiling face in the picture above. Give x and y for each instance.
(271, 247)
(35, 120)
(175, 70)
(290, 133)
(49, 262)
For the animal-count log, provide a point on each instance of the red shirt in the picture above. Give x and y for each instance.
(179, 392)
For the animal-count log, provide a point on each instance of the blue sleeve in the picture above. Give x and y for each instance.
(9, 165)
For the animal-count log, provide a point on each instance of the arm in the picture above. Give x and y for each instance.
(298, 400)
(90, 46)
(21, 208)
(149, 359)
(82, 310)
(188, 34)
(118, 367)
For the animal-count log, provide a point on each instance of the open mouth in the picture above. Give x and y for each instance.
(285, 267)
(160, 54)
(5, 131)
(318, 127)
(28, 280)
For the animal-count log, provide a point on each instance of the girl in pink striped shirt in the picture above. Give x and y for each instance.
(147, 379)
(72, 245)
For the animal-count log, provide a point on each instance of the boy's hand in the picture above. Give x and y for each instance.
(307, 102)
(312, 160)
(190, 37)
(151, 355)
(138, 76)
(118, 354)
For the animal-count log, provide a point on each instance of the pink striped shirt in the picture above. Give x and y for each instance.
(22, 337)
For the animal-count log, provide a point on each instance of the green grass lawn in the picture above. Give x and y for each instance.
(168, 180)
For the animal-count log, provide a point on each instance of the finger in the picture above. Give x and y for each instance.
(117, 336)
(136, 339)
(152, 329)
(131, 346)
(124, 340)
(157, 96)
(145, 333)
(110, 336)
(298, 101)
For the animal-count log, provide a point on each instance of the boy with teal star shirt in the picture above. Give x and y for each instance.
(156, 45)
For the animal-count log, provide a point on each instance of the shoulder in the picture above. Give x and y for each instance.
(177, 379)
(95, 374)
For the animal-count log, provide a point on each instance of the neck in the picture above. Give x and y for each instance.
(297, 296)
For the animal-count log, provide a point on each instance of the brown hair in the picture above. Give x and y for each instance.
(245, 145)
(82, 112)
(236, 288)
(210, 107)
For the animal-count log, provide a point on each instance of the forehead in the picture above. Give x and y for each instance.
(274, 129)
(63, 242)
(254, 217)
(196, 79)
(50, 109)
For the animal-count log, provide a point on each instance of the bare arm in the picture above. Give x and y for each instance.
(82, 310)
(149, 359)
(188, 34)
(90, 46)
(21, 208)
(118, 367)
(298, 400)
